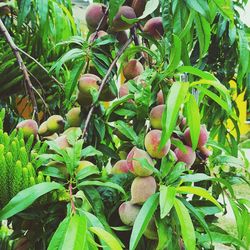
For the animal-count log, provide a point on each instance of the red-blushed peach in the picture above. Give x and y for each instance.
(152, 142)
(155, 116)
(132, 69)
(62, 142)
(160, 98)
(187, 157)
(29, 127)
(205, 151)
(128, 213)
(118, 24)
(154, 27)
(74, 117)
(142, 188)
(120, 167)
(87, 83)
(203, 137)
(94, 14)
(139, 6)
(134, 161)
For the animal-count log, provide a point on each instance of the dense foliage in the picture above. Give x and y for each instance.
(137, 153)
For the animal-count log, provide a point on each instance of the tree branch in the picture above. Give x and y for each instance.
(41, 66)
(104, 81)
(28, 84)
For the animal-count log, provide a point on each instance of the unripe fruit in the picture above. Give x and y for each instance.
(203, 137)
(135, 166)
(152, 142)
(94, 14)
(87, 83)
(43, 129)
(84, 164)
(128, 213)
(154, 27)
(120, 167)
(188, 157)
(74, 117)
(132, 69)
(124, 90)
(97, 35)
(151, 230)
(55, 123)
(29, 127)
(139, 6)
(118, 24)
(62, 142)
(160, 98)
(155, 116)
(142, 188)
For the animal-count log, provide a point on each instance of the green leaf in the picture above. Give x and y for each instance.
(108, 238)
(126, 130)
(200, 6)
(71, 234)
(193, 120)
(103, 184)
(167, 196)
(150, 7)
(142, 220)
(114, 6)
(195, 177)
(86, 172)
(90, 151)
(175, 56)
(200, 192)
(203, 33)
(187, 228)
(176, 97)
(26, 197)
(225, 6)
(223, 239)
(197, 72)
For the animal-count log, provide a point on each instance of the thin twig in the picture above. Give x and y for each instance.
(103, 82)
(71, 198)
(28, 84)
(41, 66)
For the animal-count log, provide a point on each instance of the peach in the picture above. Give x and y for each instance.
(142, 188)
(55, 123)
(118, 24)
(132, 69)
(139, 6)
(128, 213)
(135, 166)
(155, 116)
(43, 129)
(188, 157)
(74, 117)
(120, 167)
(203, 137)
(160, 98)
(121, 37)
(94, 14)
(29, 127)
(152, 142)
(154, 27)
(62, 142)
(87, 83)
(205, 151)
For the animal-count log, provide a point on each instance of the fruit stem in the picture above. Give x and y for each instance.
(71, 198)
